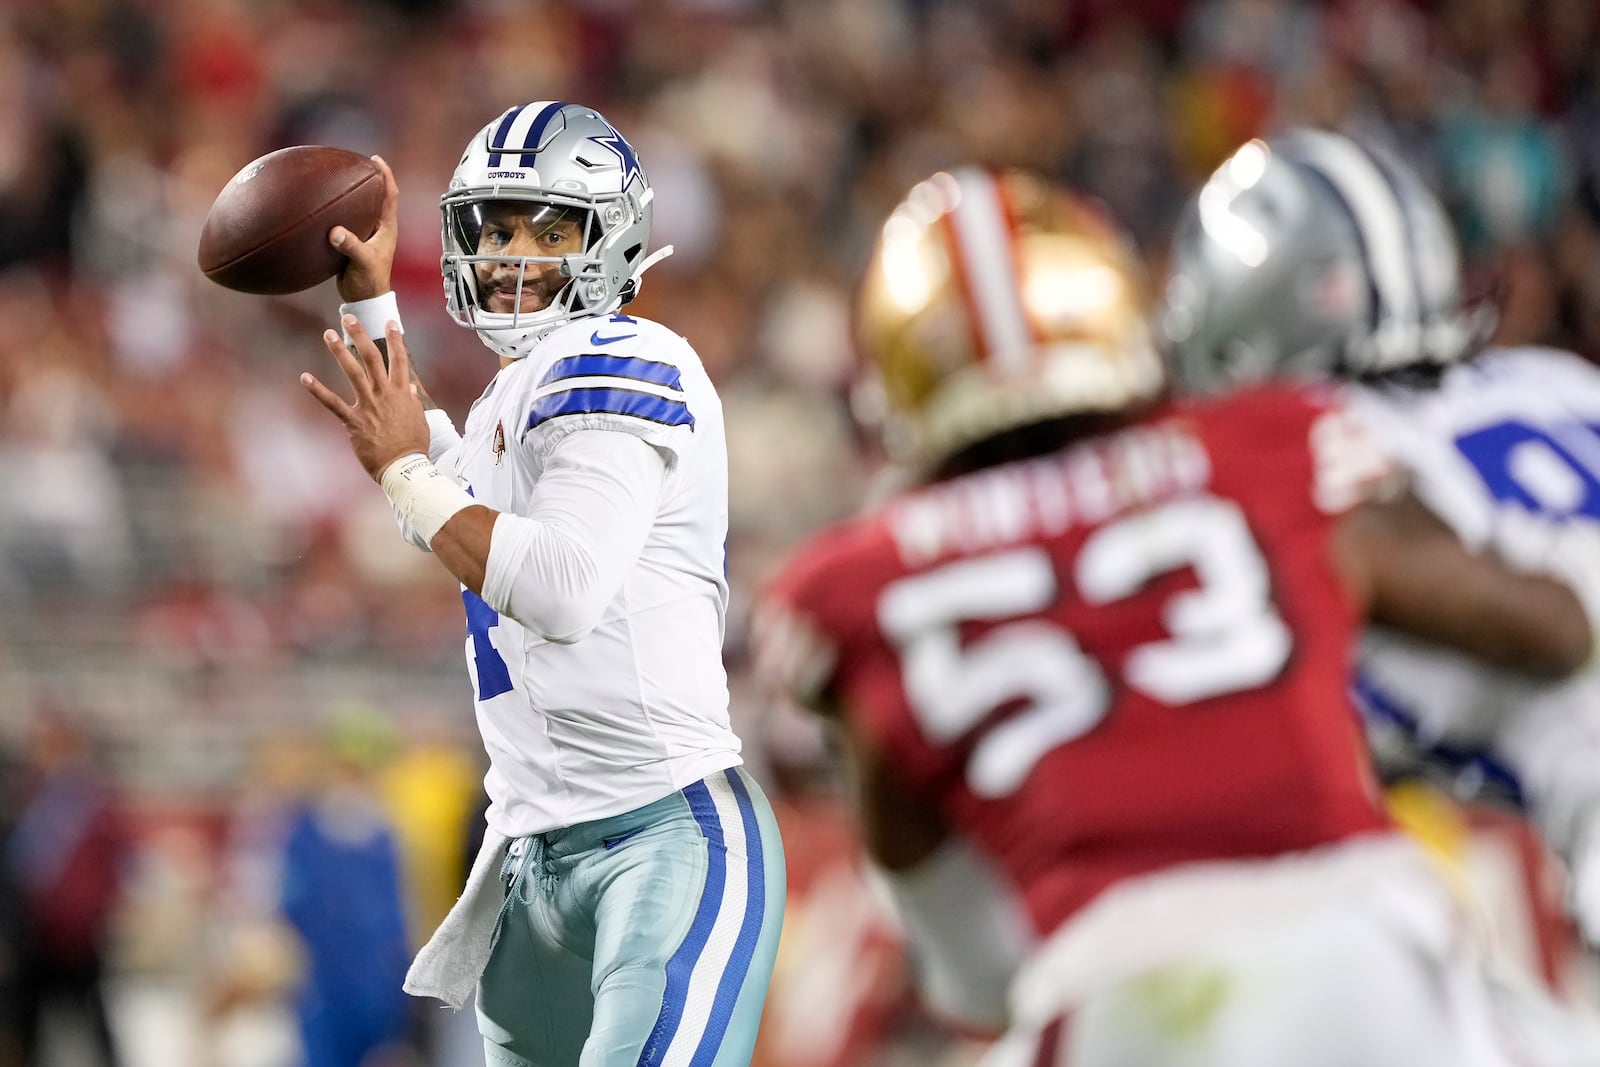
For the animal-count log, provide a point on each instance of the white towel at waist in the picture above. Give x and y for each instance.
(450, 964)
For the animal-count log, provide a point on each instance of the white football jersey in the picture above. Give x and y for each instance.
(1507, 450)
(637, 708)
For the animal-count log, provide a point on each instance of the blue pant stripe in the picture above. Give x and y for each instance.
(680, 968)
(749, 931)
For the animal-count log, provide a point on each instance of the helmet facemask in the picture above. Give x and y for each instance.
(578, 283)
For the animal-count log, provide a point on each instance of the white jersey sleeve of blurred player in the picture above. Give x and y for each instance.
(1506, 450)
(966, 933)
(555, 569)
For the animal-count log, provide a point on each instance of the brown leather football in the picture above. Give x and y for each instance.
(267, 231)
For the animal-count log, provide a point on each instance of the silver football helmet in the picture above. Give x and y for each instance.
(563, 161)
(1312, 255)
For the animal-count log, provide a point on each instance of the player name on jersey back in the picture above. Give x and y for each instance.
(1044, 498)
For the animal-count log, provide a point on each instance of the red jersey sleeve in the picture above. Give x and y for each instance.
(803, 617)
(1268, 432)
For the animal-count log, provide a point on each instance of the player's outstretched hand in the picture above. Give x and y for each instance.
(371, 262)
(385, 422)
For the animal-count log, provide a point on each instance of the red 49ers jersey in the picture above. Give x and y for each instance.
(1121, 657)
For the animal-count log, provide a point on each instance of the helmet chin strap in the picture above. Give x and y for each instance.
(652, 259)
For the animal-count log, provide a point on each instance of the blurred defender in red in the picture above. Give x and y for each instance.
(1090, 670)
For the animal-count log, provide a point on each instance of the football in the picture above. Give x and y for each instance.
(267, 231)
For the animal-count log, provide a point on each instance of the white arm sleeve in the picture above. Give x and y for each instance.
(555, 569)
(442, 437)
(966, 933)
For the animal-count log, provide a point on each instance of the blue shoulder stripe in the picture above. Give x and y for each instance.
(594, 364)
(610, 402)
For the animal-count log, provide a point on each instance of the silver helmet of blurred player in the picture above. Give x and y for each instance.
(555, 162)
(1312, 255)
(994, 299)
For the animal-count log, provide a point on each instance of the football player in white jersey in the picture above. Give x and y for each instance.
(1315, 255)
(626, 906)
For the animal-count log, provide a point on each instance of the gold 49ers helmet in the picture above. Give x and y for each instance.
(993, 300)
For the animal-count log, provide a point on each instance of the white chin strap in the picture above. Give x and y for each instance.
(652, 259)
(517, 343)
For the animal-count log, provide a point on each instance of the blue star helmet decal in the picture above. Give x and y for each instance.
(613, 142)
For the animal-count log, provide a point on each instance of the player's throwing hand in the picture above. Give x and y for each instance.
(385, 422)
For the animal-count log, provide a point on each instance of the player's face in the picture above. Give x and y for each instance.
(516, 229)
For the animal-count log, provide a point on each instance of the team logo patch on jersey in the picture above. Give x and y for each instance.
(499, 446)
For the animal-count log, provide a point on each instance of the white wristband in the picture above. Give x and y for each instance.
(374, 315)
(425, 495)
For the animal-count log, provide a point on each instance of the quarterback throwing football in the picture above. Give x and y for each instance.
(626, 906)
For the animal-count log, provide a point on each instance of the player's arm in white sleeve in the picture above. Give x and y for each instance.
(556, 569)
(966, 931)
(966, 934)
(602, 472)
(442, 438)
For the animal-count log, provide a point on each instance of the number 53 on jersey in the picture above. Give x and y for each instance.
(1224, 636)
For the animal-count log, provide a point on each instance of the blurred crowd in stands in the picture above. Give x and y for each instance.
(202, 598)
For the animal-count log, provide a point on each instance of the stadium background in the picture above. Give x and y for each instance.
(196, 580)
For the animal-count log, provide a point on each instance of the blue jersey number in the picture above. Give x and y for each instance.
(493, 677)
(1492, 450)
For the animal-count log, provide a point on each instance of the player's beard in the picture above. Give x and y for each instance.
(539, 288)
